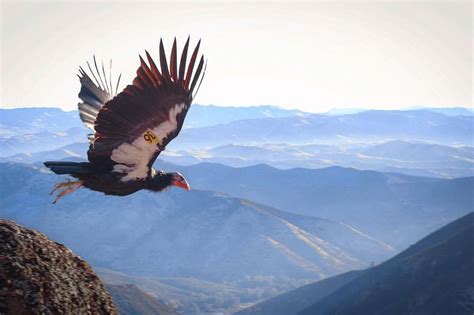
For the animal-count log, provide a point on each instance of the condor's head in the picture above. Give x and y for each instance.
(178, 180)
(160, 181)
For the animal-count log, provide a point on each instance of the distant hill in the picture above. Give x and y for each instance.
(368, 126)
(28, 130)
(345, 111)
(37, 119)
(418, 159)
(26, 143)
(74, 150)
(432, 277)
(451, 111)
(426, 152)
(211, 115)
(395, 208)
(130, 300)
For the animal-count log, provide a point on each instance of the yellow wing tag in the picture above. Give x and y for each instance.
(150, 137)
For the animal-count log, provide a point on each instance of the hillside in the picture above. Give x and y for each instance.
(184, 295)
(432, 277)
(130, 300)
(397, 209)
(291, 302)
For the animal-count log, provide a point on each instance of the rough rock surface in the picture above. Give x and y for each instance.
(39, 276)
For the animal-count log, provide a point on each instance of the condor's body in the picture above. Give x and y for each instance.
(133, 127)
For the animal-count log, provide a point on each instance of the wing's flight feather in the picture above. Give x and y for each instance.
(93, 98)
(182, 63)
(173, 61)
(163, 62)
(156, 73)
(191, 65)
(198, 73)
(148, 72)
(136, 125)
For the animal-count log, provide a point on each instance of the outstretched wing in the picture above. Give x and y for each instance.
(134, 127)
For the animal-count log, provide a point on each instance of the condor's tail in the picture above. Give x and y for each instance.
(69, 167)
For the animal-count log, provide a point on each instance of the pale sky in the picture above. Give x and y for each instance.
(313, 56)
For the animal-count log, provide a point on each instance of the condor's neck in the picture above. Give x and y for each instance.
(158, 181)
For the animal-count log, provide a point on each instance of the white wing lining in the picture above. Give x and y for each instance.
(132, 158)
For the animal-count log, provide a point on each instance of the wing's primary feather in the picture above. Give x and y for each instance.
(191, 65)
(198, 73)
(135, 126)
(93, 96)
(163, 62)
(156, 73)
(173, 62)
(182, 63)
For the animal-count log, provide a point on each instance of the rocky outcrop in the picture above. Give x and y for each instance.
(39, 276)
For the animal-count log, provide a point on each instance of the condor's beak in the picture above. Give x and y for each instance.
(181, 183)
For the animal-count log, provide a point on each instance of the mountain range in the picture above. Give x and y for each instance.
(419, 142)
(450, 111)
(297, 198)
(37, 119)
(418, 159)
(369, 127)
(28, 130)
(200, 234)
(391, 207)
(312, 246)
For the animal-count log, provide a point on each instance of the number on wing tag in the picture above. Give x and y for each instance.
(150, 137)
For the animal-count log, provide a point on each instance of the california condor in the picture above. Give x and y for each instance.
(132, 128)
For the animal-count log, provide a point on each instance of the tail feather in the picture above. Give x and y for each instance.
(69, 167)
